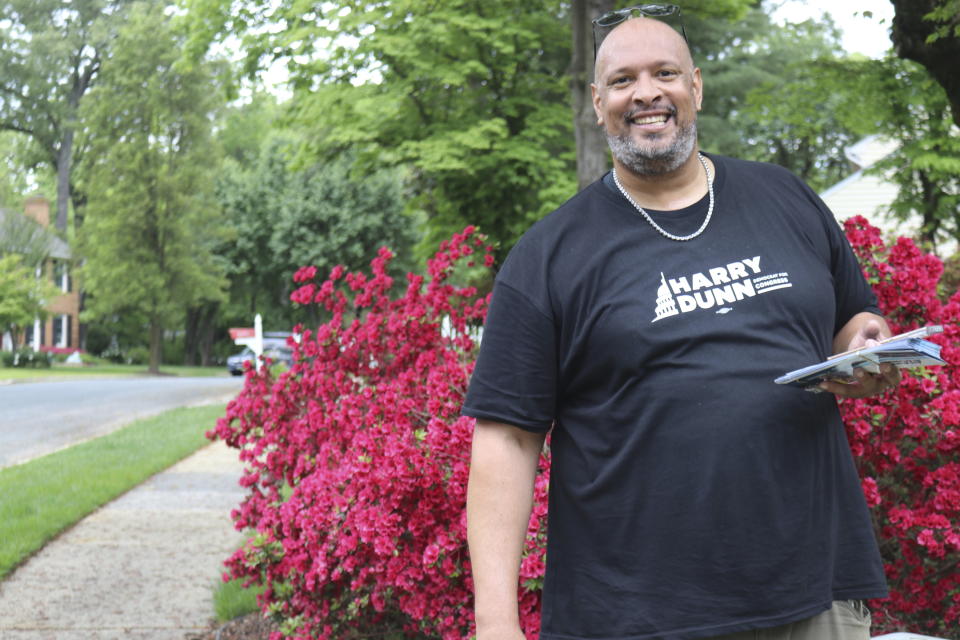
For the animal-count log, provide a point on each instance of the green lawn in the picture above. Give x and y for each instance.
(41, 498)
(63, 372)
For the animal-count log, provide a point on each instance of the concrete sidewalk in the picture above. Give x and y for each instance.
(142, 567)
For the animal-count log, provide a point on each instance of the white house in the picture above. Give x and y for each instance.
(871, 195)
(866, 195)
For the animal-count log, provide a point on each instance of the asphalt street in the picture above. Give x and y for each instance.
(43, 417)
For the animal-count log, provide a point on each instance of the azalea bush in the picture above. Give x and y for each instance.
(357, 457)
(907, 444)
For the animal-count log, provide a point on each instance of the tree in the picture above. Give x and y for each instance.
(51, 54)
(150, 222)
(470, 95)
(15, 173)
(928, 32)
(759, 77)
(23, 296)
(592, 155)
(900, 100)
(282, 218)
(926, 165)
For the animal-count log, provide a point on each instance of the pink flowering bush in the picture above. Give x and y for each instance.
(907, 444)
(357, 458)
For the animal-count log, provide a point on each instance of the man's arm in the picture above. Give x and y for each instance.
(503, 468)
(863, 330)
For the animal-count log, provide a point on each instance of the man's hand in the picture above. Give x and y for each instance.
(864, 330)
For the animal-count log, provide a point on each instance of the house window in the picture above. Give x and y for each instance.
(61, 331)
(61, 275)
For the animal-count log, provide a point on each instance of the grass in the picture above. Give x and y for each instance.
(62, 372)
(231, 600)
(41, 498)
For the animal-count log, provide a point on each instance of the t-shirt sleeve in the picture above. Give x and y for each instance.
(515, 377)
(852, 291)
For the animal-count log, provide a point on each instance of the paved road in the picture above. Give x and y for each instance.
(42, 417)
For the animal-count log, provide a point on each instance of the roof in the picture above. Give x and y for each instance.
(56, 247)
(871, 195)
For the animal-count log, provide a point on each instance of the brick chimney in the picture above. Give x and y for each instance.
(38, 208)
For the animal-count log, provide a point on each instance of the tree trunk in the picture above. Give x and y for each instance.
(199, 334)
(156, 344)
(592, 156)
(930, 196)
(909, 35)
(64, 158)
(191, 337)
(208, 334)
(79, 200)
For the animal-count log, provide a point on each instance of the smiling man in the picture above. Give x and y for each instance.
(642, 325)
(654, 133)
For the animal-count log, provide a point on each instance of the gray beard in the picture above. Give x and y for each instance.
(651, 161)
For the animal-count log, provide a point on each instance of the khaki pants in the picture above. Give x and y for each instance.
(846, 620)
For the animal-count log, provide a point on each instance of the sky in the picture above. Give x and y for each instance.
(869, 36)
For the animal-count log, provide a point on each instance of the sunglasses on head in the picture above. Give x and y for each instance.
(603, 25)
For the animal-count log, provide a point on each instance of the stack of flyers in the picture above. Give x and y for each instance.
(906, 350)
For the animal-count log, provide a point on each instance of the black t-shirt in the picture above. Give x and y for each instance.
(690, 496)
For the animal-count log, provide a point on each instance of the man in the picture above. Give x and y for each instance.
(644, 322)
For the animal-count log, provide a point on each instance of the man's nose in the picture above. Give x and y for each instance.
(646, 89)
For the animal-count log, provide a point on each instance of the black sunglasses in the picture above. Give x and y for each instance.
(603, 25)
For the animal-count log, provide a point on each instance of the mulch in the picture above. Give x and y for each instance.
(249, 627)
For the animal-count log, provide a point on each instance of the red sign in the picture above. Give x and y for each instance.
(242, 332)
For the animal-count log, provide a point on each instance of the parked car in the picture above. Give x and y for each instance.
(276, 350)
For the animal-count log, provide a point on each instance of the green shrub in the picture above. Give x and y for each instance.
(26, 358)
(137, 355)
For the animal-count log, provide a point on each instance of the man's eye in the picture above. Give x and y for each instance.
(620, 80)
(666, 73)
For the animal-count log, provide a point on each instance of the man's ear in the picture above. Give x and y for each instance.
(595, 93)
(698, 88)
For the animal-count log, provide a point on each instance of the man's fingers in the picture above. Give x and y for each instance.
(867, 384)
(891, 375)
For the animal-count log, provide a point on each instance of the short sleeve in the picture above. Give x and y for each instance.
(852, 291)
(515, 378)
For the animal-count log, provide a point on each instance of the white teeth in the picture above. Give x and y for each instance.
(650, 119)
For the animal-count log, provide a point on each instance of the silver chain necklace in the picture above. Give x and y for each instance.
(653, 224)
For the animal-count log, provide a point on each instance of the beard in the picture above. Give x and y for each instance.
(654, 160)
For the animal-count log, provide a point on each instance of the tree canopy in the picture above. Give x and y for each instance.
(151, 218)
(282, 218)
(51, 53)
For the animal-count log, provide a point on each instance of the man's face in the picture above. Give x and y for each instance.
(646, 95)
